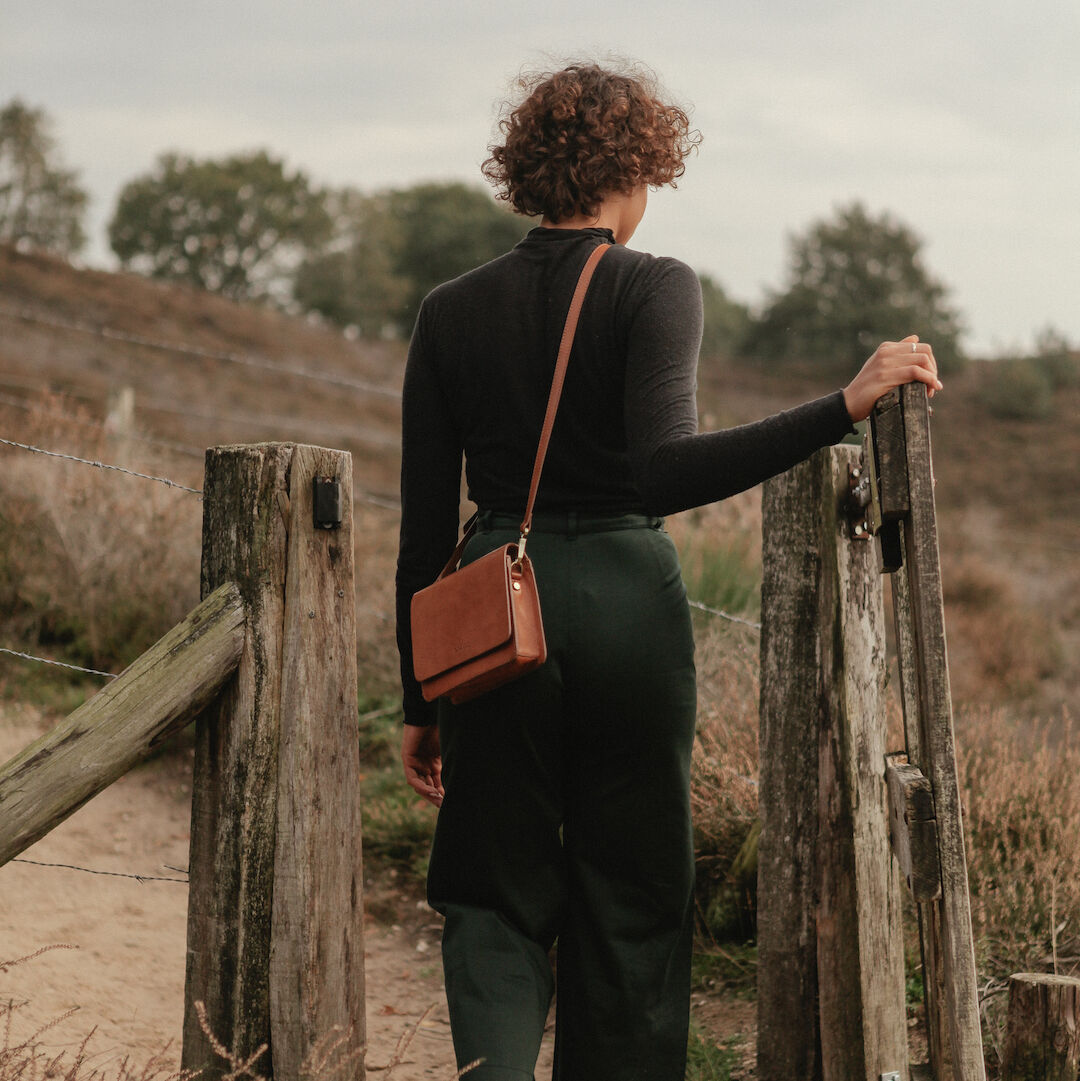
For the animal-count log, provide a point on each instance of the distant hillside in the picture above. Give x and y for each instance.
(1008, 498)
(188, 397)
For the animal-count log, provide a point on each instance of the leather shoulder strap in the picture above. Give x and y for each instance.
(561, 363)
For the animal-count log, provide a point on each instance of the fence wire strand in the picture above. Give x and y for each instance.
(102, 465)
(724, 615)
(247, 360)
(91, 871)
(186, 449)
(69, 418)
(58, 664)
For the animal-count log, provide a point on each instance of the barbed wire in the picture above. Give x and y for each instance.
(364, 433)
(58, 664)
(101, 465)
(377, 500)
(86, 422)
(382, 616)
(352, 431)
(359, 495)
(111, 874)
(723, 615)
(246, 360)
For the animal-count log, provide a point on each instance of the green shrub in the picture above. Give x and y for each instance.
(1056, 360)
(398, 824)
(1017, 389)
(723, 572)
(707, 1060)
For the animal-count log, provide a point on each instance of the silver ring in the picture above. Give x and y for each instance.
(913, 349)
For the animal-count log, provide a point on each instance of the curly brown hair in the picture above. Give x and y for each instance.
(583, 133)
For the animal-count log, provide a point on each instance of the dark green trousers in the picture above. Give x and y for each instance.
(567, 818)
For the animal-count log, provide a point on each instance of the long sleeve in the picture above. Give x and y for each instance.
(430, 490)
(674, 466)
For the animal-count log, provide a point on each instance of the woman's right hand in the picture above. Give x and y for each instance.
(891, 365)
(422, 761)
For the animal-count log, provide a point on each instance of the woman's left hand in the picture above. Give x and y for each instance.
(422, 761)
(892, 364)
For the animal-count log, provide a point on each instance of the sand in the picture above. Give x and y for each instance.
(126, 977)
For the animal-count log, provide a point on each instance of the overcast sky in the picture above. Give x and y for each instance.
(962, 118)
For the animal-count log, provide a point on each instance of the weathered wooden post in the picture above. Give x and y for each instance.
(275, 916)
(120, 423)
(1042, 1040)
(830, 952)
(897, 451)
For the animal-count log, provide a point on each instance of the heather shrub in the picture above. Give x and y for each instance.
(95, 565)
(1021, 797)
(724, 772)
(398, 825)
(720, 551)
(1001, 647)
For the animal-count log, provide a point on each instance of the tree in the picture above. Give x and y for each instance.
(389, 250)
(442, 231)
(853, 282)
(726, 321)
(41, 203)
(352, 280)
(239, 226)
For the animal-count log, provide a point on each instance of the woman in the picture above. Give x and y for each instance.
(564, 796)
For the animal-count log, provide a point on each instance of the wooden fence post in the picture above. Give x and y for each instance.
(1042, 1041)
(830, 952)
(275, 917)
(948, 950)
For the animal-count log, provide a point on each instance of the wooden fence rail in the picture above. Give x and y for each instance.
(158, 694)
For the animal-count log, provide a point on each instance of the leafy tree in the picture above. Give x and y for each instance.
(726, 320)
(390, 249)
(41, 203)
(352, 280)
(239, 226)
(1057, 358)
(442, 231)
(853, 282)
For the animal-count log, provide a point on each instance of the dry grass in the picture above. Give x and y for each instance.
(96, 565)
(26, 1058)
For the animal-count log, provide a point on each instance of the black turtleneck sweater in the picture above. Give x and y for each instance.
(625, 437)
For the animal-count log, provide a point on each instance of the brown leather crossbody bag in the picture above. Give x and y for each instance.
(479, 626)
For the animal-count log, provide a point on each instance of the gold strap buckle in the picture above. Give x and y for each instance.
(516, 565)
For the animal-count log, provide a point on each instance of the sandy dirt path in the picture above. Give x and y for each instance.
(127, 976)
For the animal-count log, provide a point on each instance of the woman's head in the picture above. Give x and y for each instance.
(582, 134)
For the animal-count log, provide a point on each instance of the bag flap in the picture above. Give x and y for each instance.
(463, 615)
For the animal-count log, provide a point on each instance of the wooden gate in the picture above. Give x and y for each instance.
(841, 818)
